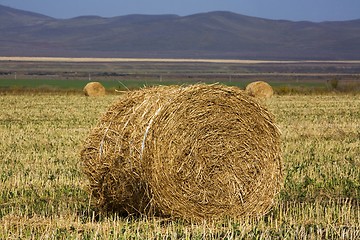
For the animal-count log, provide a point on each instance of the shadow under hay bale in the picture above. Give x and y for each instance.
(260, 90)
(196, 152)
(94, 89)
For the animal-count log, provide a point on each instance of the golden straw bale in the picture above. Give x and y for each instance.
(94, 89)
(112, 152)
(196, 152)
(260, 89)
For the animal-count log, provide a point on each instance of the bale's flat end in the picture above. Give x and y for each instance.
(94, 89)
(260, 90)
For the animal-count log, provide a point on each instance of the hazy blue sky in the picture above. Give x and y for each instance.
(312, 10)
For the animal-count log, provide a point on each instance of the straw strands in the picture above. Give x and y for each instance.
(196, 152)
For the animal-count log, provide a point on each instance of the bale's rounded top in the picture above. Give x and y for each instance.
(94, 89)
(260, 89)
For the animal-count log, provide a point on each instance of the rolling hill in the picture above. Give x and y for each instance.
(204, 35)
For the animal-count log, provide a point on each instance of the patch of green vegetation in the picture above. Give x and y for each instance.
(54, 85)
(50, 84)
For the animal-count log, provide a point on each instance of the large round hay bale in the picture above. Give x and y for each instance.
(196, 152)
(94, 89)
(260, 89)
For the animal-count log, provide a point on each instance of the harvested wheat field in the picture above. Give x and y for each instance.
(43, 190)
(94, 89)
(196, 152)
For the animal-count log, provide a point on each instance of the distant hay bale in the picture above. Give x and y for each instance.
(196, 152)
(94, 89)
(260, 89)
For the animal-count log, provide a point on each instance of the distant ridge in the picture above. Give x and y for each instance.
(219, 34)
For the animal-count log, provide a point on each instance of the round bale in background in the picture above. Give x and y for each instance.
(260, 90)
(94, 89)
(195, 152)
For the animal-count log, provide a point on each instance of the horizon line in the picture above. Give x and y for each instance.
(175, 60)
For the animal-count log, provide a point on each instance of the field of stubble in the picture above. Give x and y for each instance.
(43, 192)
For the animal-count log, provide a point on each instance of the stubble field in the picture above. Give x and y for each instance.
(43, 191)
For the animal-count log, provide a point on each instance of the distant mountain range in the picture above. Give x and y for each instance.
(205, 35)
